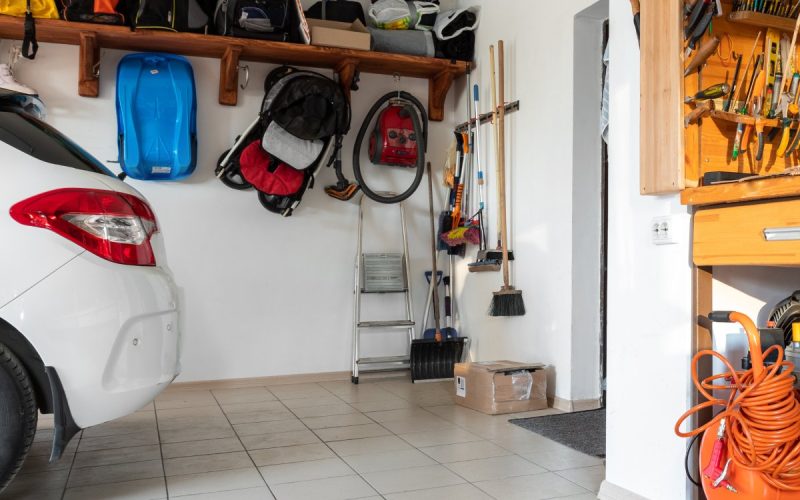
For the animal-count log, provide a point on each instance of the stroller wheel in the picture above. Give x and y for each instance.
(232, 177)
(272, 202)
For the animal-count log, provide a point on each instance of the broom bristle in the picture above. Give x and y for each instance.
(507, 302)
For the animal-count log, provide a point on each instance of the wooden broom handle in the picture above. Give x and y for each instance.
(501, 146)
(493, 79)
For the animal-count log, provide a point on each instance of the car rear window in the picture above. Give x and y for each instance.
(38, 139)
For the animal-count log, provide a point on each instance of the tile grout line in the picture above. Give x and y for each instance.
(397, 436)
(238, 438)
(329, 447)
(161, 450)
(71, 465)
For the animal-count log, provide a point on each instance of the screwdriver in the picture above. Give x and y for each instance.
(712, 92)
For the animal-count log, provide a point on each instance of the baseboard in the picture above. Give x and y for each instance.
(610, 491)
(260, 381)
(569, 406)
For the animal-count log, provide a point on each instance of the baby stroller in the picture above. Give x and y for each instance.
(303, 116)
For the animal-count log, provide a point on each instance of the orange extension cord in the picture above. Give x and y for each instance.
(762, 413)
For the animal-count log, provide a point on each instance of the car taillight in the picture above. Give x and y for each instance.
(114, 226)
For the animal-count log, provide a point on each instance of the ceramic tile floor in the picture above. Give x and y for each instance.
(385, 438)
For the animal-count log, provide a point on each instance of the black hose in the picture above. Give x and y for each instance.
(422, 141)
(686, 460)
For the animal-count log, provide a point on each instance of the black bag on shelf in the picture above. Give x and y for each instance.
(346, 11)
(264, 19)
(93, 11)
(170, 15)
(459, 48)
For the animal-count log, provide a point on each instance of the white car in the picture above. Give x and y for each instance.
(88, 309)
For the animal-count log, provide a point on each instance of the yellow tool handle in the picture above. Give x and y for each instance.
(746, 138)
(781, 152)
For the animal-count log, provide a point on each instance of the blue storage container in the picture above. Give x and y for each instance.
(156, 116)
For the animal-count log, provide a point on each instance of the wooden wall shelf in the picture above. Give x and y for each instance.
(740, 118)
(762, 20)
(736, 192)
(346, 62)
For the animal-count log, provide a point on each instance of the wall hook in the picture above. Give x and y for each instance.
(246, 69)
(397, 83)
(14, 55)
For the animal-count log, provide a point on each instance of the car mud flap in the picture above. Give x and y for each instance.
(64, 427)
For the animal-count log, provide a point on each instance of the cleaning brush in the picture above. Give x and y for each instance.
(508, 301)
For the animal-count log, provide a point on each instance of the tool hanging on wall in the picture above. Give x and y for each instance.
(757, 107)
(447, 221)
(732, 95)
(754, 105)
(790, 111)
(706, 50)
(773, 71)
(508, 301)
(788, 101)
(742, 87)
(781, 8)
(742, 130)
(699, 20)
(434, 358)
(482, 263)
(712, 92)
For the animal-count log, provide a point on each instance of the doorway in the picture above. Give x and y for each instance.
(589, 208)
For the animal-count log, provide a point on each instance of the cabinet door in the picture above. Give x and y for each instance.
(661, 124)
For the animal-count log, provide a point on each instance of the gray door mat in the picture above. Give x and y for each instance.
(584, 431)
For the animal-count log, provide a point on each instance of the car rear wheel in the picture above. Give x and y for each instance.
(18, 415)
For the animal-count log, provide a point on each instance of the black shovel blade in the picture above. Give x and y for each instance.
(433, 360)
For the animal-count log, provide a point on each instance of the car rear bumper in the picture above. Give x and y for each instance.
(110, 331)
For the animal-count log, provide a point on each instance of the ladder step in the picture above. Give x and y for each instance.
(398, 290)
(384, 360)
(401, 323)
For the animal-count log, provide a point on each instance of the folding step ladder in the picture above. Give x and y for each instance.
(382, 273)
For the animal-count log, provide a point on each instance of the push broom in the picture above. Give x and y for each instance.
(508, 301)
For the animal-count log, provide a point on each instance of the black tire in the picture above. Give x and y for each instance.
(18, 415)
(233, 177)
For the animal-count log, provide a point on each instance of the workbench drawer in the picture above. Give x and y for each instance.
(765, 233)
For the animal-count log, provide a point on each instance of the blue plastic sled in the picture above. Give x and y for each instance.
(156, 116)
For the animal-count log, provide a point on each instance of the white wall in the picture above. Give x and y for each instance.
(539, 55)
(649, 302)
(587, 202)
(262, 295)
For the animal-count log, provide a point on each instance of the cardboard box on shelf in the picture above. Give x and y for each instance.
(336, 34)
(496, 387)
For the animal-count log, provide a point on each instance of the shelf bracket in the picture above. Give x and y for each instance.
(438, 86)
(89, 65)
(229, 75)
(347, 70)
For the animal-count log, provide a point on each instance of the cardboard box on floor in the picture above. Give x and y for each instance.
(496, 387)
(336, 34)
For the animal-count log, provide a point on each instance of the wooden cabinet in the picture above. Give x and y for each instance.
(674, 156)
(661, 141)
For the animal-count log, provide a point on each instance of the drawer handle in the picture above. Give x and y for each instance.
(782, 234)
